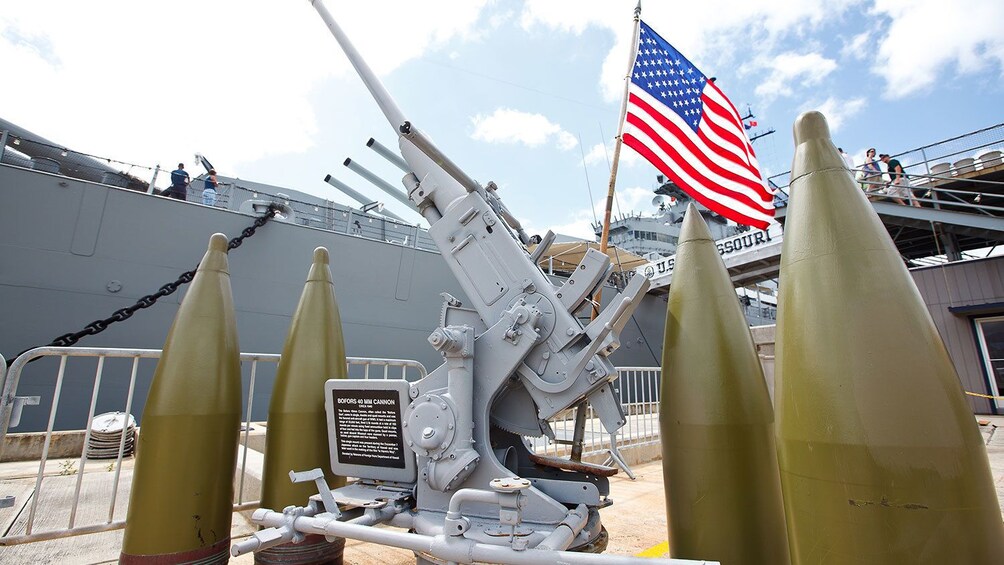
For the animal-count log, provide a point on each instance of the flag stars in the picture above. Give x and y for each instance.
(665, 74)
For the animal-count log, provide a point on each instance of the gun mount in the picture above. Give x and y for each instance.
(444, 457)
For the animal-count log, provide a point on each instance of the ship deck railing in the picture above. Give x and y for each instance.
(231, 193)
(65, 492)
(326, 215)
(962, 161)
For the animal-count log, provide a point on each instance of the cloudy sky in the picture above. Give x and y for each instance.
(523, 93)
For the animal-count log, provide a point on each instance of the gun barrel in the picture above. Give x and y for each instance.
(358, 197)
(403, 128)
(386, 153)
(379, 183)
(425, 145)
(373, 84)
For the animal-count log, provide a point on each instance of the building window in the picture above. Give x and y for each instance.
(991, 336)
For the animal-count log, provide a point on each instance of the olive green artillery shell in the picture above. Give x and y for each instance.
(880, 456)
(182, 489)
(297, 436)
(723, 495)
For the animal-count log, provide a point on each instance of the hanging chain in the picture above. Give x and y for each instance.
(98, 326)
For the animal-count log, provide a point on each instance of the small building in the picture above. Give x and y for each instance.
(966, 301)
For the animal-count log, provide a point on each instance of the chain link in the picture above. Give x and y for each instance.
(98, 326)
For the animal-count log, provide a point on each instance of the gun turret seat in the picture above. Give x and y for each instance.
(569, 465)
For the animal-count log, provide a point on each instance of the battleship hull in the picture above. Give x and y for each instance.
(73, 251)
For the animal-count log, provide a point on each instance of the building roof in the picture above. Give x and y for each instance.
(566, 256)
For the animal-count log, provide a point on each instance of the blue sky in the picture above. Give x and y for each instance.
(515, 92)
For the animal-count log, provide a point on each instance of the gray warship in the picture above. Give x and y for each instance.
(80, 240)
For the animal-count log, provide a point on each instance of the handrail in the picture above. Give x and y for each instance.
(639, 386)
(102, 353)
(950, 139)
(967, 200)
(319, 213)
(982, 140)
(9, 388)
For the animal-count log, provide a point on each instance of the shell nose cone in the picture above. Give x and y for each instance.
(694, 227)
(218, 242)
(815, 152)
(320, 269)
(810, 125)
(321, 256)
(215, 258)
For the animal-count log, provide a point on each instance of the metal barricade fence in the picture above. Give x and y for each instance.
(638, 388)
(358, 367)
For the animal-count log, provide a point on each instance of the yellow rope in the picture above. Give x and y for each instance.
(984, 395)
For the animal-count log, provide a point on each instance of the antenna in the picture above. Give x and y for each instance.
(659, 200)
(762, 134)
(749, 115)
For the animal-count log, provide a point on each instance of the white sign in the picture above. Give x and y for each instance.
(730, 248)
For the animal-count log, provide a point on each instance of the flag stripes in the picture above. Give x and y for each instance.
(674, 146)
(683, 124)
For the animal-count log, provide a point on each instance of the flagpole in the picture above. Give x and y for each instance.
(605, 234)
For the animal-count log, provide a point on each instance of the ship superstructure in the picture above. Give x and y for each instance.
(656, 234)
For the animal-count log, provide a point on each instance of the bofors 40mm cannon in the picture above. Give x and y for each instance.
(444, 457)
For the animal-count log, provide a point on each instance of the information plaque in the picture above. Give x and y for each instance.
(365, 434)
(368, 427)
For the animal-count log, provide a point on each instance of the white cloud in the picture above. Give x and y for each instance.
(709, 33)
(634, 199)
(572, 16)
(566, 140)
(579, 223)
(506, 125)
(597, 154)
(228, 77)
(858, 47)
(837, 111)
(603, 155)
(928, 42)
(788, 70)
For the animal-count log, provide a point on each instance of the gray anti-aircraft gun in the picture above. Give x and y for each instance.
(444, 457)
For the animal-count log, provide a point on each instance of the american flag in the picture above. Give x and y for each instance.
(684, 125)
